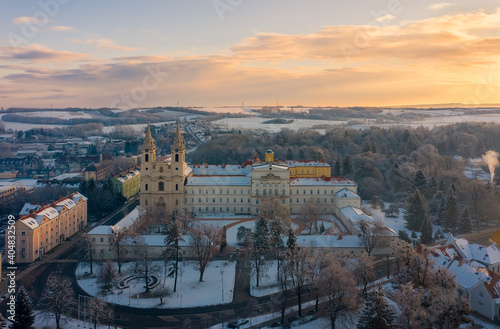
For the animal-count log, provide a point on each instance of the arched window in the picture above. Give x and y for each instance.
(161, 186)
(146, 187)
(176, 202)
(177, 187)
(177, 158)
(283, 192)
(146, 157)
(265, 192)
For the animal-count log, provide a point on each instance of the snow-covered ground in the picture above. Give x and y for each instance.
(44, 320)
(268, 283)
(396, 223)
(214, 223)
(65, 115)
(217, 286)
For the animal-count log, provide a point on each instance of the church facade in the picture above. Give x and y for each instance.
(168, 183)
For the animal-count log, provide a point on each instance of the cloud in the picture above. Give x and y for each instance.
(29, 20)
(62, 28)
(36, 53)
(385, 18)
(104, 44)
(440, 5)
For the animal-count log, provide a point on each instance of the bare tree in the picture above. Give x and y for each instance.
(316, 263)
(88, 245)
(99, 311)
(372, 234)
(203, 241)
(338, 286)
(184, 217)
(107, 275)
(145, 261)
(120, 240)
(297, 261)
(160, 292)
(310, 214)
(362, 266)
(58, 297)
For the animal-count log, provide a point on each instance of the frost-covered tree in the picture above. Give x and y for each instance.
(107, 275)
(409, 301)
(419, 182)
(377, 314)
(371, 234)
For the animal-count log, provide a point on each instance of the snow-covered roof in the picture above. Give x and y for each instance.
(322, 181)
(28, 207)
(49, 212)
(220, 170)
(328, 241)
(128, 176)
(345, 193)
(306, 163)
(159, 240)
(130, 219)
(467, 273)
(77, 196)
(219, 181)
(269, 165)
(355, 214)
(68, 203)
(473, 251)
(101, 230)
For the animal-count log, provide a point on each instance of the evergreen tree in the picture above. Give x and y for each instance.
(172, 239)
(289, 154)
(24, 317)
(403, 235)
(450, 220)
(465, 225)
(426, 236)
(302, 155)
(291, 242)
(336, 168)
(431, 187)
(419, 182)
(347, 167)
(416, 211)
(366, 147)
(377, 313)
(261, 235)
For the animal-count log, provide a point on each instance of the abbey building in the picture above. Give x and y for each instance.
(168, 183)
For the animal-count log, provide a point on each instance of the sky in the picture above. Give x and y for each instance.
(127, 54)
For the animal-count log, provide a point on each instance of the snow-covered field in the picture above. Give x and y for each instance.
(216, 288)
(268, 283)
(65, 115)
(257, 123)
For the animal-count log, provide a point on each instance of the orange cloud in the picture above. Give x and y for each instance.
(61, 28)
(104, 44)
(445, 59)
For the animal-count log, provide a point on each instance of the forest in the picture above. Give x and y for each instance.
(387, 163)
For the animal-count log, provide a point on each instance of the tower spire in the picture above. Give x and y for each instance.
(149, 138)
(178, 135)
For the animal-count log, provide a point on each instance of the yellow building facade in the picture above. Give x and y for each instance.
(127, 183)
(46, 227)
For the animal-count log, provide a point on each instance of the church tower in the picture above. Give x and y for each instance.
(148, 159)
(178, 168)
(162, 179)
